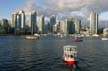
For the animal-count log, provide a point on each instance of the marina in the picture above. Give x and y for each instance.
(46, 54)
(54, 35)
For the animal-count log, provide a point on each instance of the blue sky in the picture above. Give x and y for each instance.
(8, 6)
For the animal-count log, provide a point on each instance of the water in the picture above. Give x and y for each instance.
(45, 54)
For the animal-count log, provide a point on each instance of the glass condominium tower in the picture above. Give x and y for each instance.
(93, 23)
(33, 22)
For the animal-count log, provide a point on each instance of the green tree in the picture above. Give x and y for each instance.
(5, 25)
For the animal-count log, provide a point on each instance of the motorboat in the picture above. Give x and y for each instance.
(104, 38)
(77, 39)
(95, 35)
(31, 37)
(70, 55)
(37, 35)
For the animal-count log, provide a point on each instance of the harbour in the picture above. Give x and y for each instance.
(46, 54)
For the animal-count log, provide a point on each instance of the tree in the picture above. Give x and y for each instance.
(5, 25)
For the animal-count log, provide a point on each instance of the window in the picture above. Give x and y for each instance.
(71, 56)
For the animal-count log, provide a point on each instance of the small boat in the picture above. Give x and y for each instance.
(32, 37)
(95, 35)
(37, 35)
(104, 38)
(77, 39)
(70, 55)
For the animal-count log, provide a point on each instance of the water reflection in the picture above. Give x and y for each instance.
(45, 54)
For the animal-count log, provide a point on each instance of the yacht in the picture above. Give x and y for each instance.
(104, 38)
(95, 35)
(37, 35)
(32, 37)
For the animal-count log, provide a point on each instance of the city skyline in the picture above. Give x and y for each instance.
(46, 7)
(69, 25)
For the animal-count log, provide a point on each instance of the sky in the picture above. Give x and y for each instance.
(61, 8)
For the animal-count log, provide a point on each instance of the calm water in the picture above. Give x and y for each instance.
(45, 54)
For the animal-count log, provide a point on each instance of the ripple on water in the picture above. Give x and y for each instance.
(18, 54)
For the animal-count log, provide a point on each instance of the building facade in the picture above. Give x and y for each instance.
(41, 24)
(93, 23)
(63, 27)
(22, 19)
(77, 26)
(33, 22)
(18, 21)
(70, 26)
(52, 22)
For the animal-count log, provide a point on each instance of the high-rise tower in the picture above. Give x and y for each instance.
(77, 25)
(33, 22)
(18, 21)
(41, 24)
(52, 22)
(93, 23)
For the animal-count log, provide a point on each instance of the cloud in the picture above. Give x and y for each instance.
(68, 4)
(64, 8)
(29, 5)
(84, 6)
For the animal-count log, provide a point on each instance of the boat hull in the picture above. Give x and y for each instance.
(70, 55)
(71, 62)
(31, 37)
(104, 38)
(76, 40)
